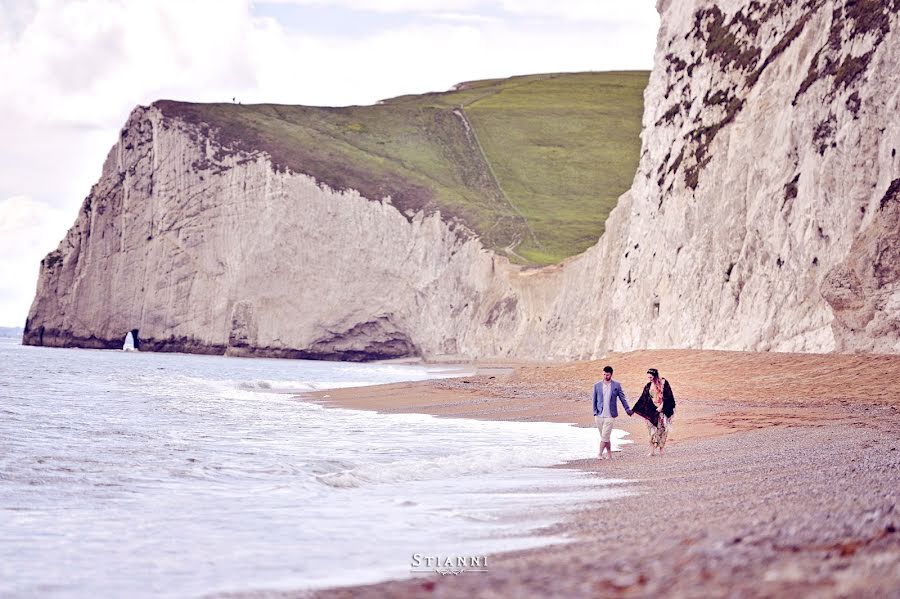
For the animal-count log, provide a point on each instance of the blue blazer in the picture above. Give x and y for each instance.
(615, 392)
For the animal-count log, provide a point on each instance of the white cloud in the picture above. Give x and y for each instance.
(461, 17)
(73, 69)
(26, 228)
(387, 6)
(433, 55)
(594, 11)
(78, 59)
(20, 213)
(14, 16)
(609, 11)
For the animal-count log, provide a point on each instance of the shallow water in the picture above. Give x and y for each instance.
(139, 474)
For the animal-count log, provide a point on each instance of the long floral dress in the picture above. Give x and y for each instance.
(659, 433)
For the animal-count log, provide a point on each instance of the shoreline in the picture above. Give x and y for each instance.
(752, 470)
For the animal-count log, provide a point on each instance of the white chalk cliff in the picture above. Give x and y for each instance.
(765, 215)
(769, 155)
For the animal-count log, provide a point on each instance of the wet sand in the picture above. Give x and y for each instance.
(781, 477)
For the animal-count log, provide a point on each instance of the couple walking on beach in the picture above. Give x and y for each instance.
(656, 406)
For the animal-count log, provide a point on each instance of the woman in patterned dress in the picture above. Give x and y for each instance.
(657, 406)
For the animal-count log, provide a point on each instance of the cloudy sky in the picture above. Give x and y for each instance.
(71, 71)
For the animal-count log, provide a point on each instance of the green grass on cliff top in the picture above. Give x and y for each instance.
(532, 164)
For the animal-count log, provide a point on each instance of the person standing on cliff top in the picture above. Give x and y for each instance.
(605, 409)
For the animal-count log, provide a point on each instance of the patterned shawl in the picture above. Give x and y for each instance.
(645, 408)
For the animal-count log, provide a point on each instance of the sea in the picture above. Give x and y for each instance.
(136, 474)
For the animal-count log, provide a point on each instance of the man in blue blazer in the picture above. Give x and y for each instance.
(605, 410)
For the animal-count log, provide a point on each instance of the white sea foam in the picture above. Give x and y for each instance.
(294, 386)
(135, 474)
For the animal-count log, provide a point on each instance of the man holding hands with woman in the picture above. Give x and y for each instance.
(656, 406)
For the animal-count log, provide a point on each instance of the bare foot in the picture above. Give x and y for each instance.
(650, 454)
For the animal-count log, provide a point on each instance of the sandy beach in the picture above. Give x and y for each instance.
(781, 477)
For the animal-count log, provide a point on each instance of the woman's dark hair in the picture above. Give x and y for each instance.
(607, 369)
(654, 372)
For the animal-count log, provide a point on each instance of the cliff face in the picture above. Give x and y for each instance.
(768, 176)
(763, 216)
(864, 289)
(204, 250)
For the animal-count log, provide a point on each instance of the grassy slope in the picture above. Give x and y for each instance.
(533, 164)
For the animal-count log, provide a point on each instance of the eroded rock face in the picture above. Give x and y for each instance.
(206, 250)
(762, 217)
(864, 290)
(770, 138)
